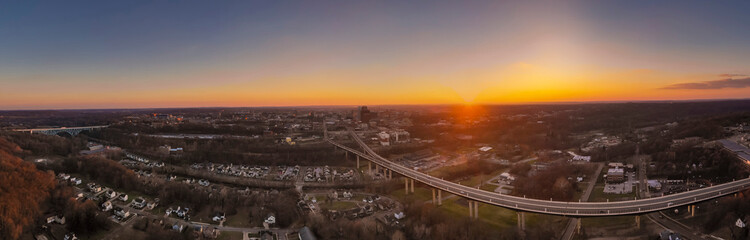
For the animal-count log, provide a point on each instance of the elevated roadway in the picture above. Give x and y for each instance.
(572, 209)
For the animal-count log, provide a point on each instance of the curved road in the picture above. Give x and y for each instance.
(576, 209)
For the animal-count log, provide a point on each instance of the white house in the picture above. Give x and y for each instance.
(106, 206)
(347, 194)
(123, 197)
(219, 216)
(109, 194)
(121, 212)
(63, 176)
(182, 212)
(75, 181)
(139, 203)
(93, 187)
(739, 223)
(152, 205)
(203, 182)
(70, 236)
(270, 219)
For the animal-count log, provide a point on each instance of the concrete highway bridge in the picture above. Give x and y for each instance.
(522, 204)
(54, 131)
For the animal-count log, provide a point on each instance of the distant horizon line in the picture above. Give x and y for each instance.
(385, 105)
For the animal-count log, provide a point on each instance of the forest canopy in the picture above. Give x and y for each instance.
(22, 190)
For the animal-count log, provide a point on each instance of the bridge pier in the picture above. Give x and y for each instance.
(638, 221)
(357, 162)
(412, 185)
(471, 209)
(692, 211)
(476, 209)
(433, 197)
(440, 197)
(522, 221)
(369, 168)
(406, 186)
(390, 174)
(346, 155)
(578, 225)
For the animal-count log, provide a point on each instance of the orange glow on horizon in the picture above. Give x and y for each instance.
(518, 83)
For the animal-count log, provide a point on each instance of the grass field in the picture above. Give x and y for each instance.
(489, 187)
(339, 205)
(608, 221)
(420, 193)
(241, 219)
(230, 236)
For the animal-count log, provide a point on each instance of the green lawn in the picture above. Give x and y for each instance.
(489, 187)
(224, 235)
(580, 189)
(608, 221)
(339, 205)
(420, 193)
(241, 219)
(497, 217)
(96, 235)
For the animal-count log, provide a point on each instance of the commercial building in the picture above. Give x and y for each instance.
(364, 115)
(615, 175)
(742, 152)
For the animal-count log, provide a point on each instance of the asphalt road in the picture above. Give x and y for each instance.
(570, 228)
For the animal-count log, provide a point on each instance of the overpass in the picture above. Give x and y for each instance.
(522, 204)
(54, 131)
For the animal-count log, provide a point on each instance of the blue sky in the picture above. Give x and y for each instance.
(170, 53)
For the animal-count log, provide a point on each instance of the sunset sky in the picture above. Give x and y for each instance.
(133, 54)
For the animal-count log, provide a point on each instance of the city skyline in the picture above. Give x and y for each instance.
(244, 54)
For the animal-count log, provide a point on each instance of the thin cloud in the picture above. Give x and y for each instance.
(715, 84)
(732, 75)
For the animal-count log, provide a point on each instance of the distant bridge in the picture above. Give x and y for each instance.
(54, 131)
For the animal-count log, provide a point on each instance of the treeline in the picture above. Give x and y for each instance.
(103, 170)
(531, 127)
(23, 189)
(81, 216)
(552, 182)
(226, 150)
(28, 192)
(61, 118)
(40, 144)
(725, 212)
(244, 129)
(474, 168)
(708, 163)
